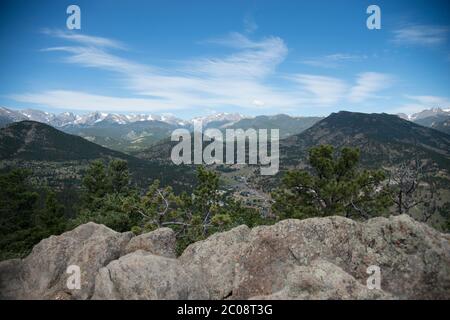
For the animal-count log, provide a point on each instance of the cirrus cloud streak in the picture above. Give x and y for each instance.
(243, 79)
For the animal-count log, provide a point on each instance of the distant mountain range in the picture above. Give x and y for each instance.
(136, 132)
(218, 120)
(30, 140)
(69, 119)
(286, 124)
(128, 137)
(383, 139)
(58, 158)
(427, 113)
(125, 133)
(435, 118)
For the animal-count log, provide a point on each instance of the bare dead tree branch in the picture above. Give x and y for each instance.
(165, 201)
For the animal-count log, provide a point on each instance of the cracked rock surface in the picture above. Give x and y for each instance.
(317, 258)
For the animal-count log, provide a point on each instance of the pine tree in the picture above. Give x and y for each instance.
(17, 201)
(106, 192)
(22, 222)
(94, 183)
(118, 177)
(50, 220)
(334, 185)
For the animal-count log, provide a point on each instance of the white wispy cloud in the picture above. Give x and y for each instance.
(333, 60)
(96, 58)
(417, 103)
(324, 91)
(368, 84)
(63, 99)
(431, 101)
(241, 79)
(84, 39)
(253, 60)
(423, 35)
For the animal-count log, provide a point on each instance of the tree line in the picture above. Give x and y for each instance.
(333, 184)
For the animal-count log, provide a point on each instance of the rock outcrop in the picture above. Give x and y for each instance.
(318, 258)
(42, 274)
(161, 242)
(141, 275)
(322, 280)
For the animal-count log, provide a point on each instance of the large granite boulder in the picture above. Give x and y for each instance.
(43, 273)
(414, 259)
(322, 280)
(160, 242)
(318, 258)
(141, 275)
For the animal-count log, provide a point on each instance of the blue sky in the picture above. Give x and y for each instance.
(191, 58)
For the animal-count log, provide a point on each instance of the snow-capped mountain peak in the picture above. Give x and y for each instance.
(88, 119)
(435, 111)
(12, 115)
(221, 116)
(95, 118)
